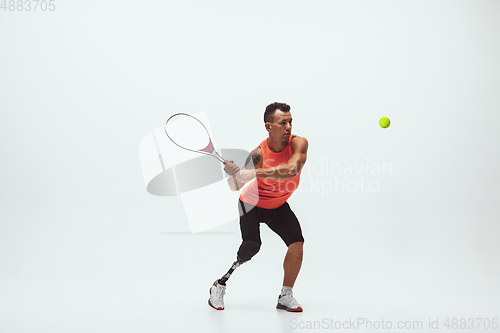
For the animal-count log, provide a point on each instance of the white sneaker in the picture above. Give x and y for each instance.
(288, 302)
(217, 292)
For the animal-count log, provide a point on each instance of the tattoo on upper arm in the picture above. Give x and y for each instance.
(256, 158)
(252, 160)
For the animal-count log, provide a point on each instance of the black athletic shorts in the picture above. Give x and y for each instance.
(281, 220)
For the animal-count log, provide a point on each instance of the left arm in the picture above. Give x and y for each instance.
(299, 147)
(287, 171)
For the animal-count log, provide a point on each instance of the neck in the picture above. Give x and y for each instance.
(276, 146)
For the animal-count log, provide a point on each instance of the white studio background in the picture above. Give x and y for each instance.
(84, 247)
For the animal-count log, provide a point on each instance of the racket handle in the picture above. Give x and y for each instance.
(225, 162)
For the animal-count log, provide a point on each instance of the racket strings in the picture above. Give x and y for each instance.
(188, 133)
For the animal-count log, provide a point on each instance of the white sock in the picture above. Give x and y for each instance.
(284, 290)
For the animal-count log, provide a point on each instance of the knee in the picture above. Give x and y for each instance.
(297, 250)
(247, 250)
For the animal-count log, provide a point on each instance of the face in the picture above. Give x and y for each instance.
(281, 127)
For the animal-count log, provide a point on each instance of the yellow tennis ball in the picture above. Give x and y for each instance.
(384, 122)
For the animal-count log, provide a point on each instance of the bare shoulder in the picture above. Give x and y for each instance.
(256, 150)
(299, 143)
(254, 159)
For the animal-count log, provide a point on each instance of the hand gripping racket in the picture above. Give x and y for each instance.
(189, 133)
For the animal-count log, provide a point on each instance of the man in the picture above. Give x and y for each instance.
(273, 170)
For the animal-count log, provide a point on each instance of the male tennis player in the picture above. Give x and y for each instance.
(273, 170)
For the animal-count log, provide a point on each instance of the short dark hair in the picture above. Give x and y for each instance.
(271, 110)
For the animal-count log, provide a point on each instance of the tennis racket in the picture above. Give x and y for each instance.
(189, 133)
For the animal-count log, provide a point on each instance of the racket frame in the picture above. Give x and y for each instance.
(208, 150)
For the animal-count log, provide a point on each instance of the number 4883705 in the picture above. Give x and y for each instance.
(28, 5)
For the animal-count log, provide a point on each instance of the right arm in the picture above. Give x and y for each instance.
(254, 161)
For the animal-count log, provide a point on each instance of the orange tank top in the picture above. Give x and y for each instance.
(270, 193)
